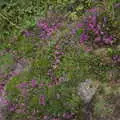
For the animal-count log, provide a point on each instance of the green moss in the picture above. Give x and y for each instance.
(6, 61)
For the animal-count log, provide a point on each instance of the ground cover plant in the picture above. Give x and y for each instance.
(59, 60)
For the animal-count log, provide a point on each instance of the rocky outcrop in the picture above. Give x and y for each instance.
(87, 90)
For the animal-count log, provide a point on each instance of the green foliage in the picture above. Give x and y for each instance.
(113, 52)
(6, 61)
(11, 87)
(110, 7)
(79, 31)
(22, 14)
(16, 14)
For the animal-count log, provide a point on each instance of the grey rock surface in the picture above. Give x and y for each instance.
(86, 90)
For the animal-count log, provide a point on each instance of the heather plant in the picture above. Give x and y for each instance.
(22, 14)
(43, 29)
(97, 31)
(46, 55)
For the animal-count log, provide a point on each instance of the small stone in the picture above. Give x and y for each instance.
(87, 90)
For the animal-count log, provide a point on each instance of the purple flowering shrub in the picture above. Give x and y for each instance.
(97, 31)
(44, 28)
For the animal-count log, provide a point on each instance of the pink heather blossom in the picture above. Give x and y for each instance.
(1, 88)
(93, 10)
(79, 25)
(67, 116)
(26, 33)
(49, 34)
(41, 84)
(97, 39)
(24, 92)
(42, 24)
(117, 5)
(45, 29)
(108, 40)
(93, 20)
(116, 58)
(20, 110)
(88, 49)
(3, 100)
(33, 83)
(12, 107)
(57, 61)
(45, 117)
(91, 26)
(22, 85)
(42, 100)
(102, 33)
(73, 31)
(83, 38)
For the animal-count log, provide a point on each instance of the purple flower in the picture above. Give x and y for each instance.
(83, 37)
(67, 116)
(26, 33)
(108, 40)
(22, 85)
(33, 83)
(88, 49)
(1, 87)
(42, 100)
(45, 117)
(57, 61)
(96, 31)
(90, 26)
(117, 5)
(46, 29)
(24, 92)
(73, 31)
(94, 20)
(79, 25)
(116, 58)
(3, 101)
(93, 10)
(42, 24)
(12, 107)
(105, 19)
(97, 39)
